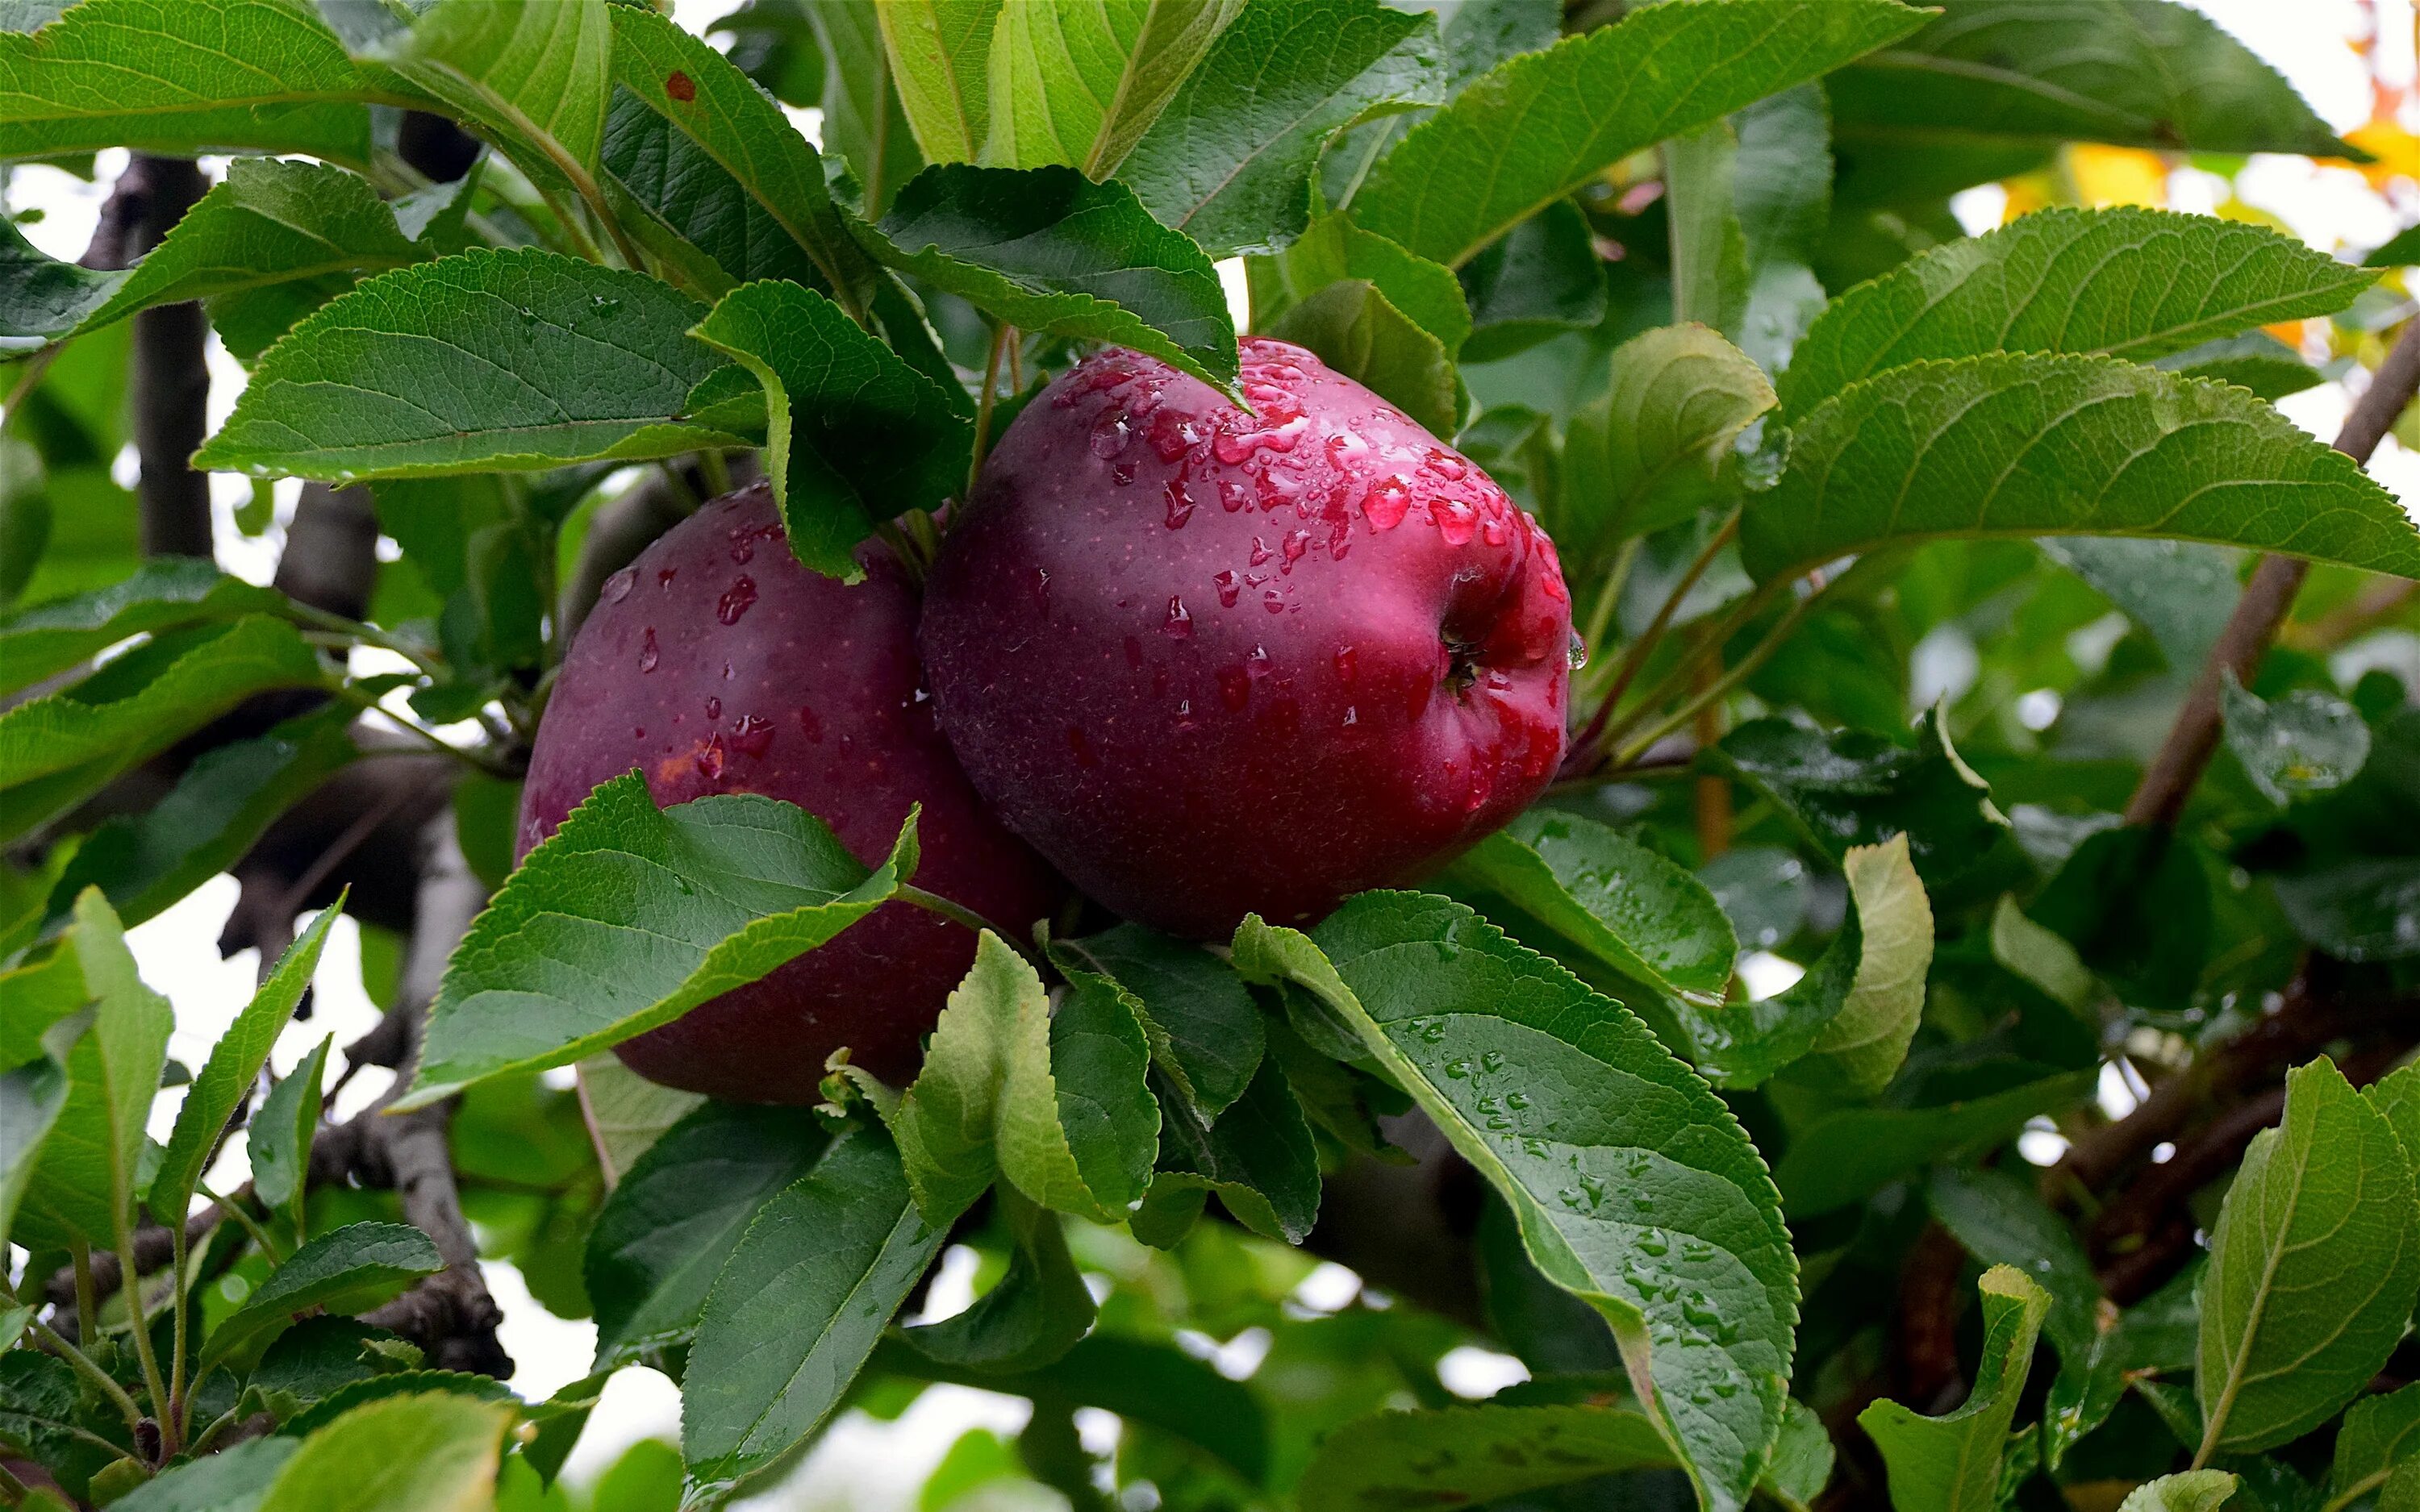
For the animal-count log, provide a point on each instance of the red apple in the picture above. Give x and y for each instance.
(1211, 661)
(716, 663)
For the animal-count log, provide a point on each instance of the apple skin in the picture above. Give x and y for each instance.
(717, 663)
(1212, 662)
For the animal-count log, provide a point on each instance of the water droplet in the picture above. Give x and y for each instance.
(1387, 501)
(1458, 1067)
(710, 759)
(1295, 545)
(1445, 464)
(1172, 434)
(617, 587)
(664, 578)
(648, 655)
(1652, 1241)
(713, 709)
(1179, 623)
(1232, 495)
(605, 304)
(1273, 601)
(1228, 590)
(1258, 662)
(1111, 434)
(1492, 1061)
(1577, 656)
(1456, 521)
(1123, 473)
(1180, 504)
(735, 601)
(752, 736)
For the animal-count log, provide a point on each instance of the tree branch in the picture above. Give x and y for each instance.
(169, 383)
(2176, 770)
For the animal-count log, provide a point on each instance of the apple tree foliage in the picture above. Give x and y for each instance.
(1682, 275)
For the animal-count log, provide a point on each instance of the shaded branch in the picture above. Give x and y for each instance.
(168, 380)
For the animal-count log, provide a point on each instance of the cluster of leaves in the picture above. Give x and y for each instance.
(1707, 315)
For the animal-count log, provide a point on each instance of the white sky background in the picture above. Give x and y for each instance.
(865, 1466)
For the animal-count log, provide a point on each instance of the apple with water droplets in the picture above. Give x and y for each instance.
(717, 663)
(1212, 660)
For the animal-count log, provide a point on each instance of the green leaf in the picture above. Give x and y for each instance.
(2401, 251)
(1046, 250)
(1709, 248)
(2002, 1221)
(2254, 360)
(2033, 445)
(2129, 283)
(853, 434)
(232, 1480)
(1206, 1033)
(626, 1113)
(2398, 1096)
(177, 76)
(1952, 1464)
(42, 1407)
(1861, 1043)
(1080, 84)
(940, 53)
(862, 118)
(2378, 1434)
(1543, 124)
(798, 1306)
(1842, 1158)
(405, 1454)
(348, 1270)
(32, 1096)
(2156, 1335)
(1854, 787)
(2190, 1490)
(1358, 330)
(162, 594)
(1629, 908)
(2314, 1264)
(41, 297)
(1053, 1103)
(520, 359)
(628, 916)
(1229, 162)
(1538, 280)
(225, 1079)
(2180, 591)
(1802, 1458)
(1472, 1454)
(2364, 910)
(1333, 249)
(1996, 72)
(1032, 1316)
(1633, 1186)
(280, 1134)
(743, 130)
(669, 1224)
(59, 751)
(83, 1183)
(699, 218)
(533, 73)
(1651, 451)
(1258, 1158)
(2305, 743)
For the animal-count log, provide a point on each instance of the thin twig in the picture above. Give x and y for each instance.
(1634, 659)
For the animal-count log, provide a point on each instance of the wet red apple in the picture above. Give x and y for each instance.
(716, 663)
(1212, 661)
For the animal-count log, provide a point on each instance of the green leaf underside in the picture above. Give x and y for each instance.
(1032, 1316)
(347, 1269)
(940, 53)
(161, 594)
(401, 1454)
(1952, 1464)
(853, 433)
(1634, 1187)
(2189, 1490)
(1848, 1154)
(1206, 1034)
(1079, 84)
(1863, 1041)
(279, 1136)
(57, 751)
(2127, 282)
(488, 360)
(1358, 331)
(2024, 445)
(1229, 162)
(677, 1214)
(1648, 452)
(181, 75)
(2094, 71)
(1541, 125)
(802, 1301)
(2314, 1264)
(1473, 1455)
(2378, 1433)
(1046, 249)
(629, 915)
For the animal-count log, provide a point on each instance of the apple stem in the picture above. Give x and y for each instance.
(1000, 336)
(1633, 657)
(960, 913)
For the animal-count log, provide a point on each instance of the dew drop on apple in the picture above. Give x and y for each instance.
(713, 708)
(1179, 623)
(1389, 500)
(617, 587)
(1111, 435)
(735, 601)
(1228, 589)
(648, 655)
(753, 735)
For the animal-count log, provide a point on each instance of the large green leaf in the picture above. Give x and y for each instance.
(1257, 1157)
(1206, 1034)
(629, 915)
(742, 129)
(1031, 1316)
(1540, 279)
(671, 1223)
(233, 1479)
(1355, 330)
(226, 1079)
(1472, 1454)
(853, 434)
(1080, 84)
(1843, 1157)
(347, 1269)
(1543, 124)
(864, 121)
(1634, 1187)
(940, 55)
(2041, 445)
(533, 73)
(801, 1301)
(181, 76)
(160, 595)
(1046, 249)
(2313, 1267)
(1229, 163)
(2127, 282)
(403, 1454)
(1993, 71)
(700, 220)
(1856, 787)
(1651, 451)
(41, 296)
(1952, 1464)
(1055, 1104)
(625, 1113)
(2378, 1433)
(32, 1095)
(1333, 248)
(487, 360)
